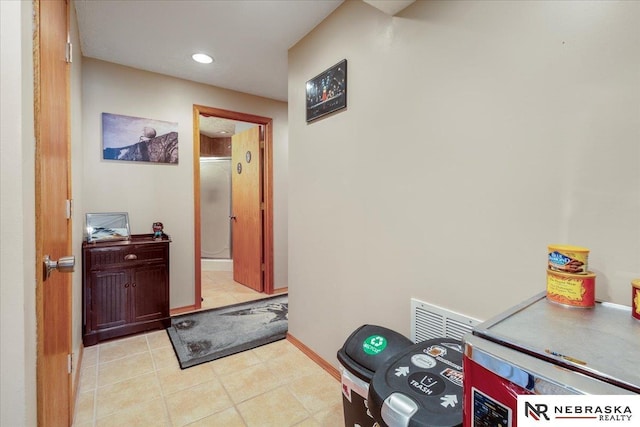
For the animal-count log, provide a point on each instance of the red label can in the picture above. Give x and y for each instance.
(635, 298)
(574, 290)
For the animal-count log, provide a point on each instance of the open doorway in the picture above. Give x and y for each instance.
(216, 174)
(264, 239)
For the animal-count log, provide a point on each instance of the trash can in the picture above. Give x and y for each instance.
(420, 386)
(366, 349)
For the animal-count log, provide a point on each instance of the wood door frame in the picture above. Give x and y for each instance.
(267, 191)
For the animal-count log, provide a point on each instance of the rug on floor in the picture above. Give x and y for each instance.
(207, 335)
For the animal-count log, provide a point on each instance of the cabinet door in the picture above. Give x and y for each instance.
(109, 294)
(150, 293)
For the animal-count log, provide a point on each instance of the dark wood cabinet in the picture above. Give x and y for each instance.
(125, 287)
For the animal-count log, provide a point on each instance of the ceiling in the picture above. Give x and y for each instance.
(248, 39)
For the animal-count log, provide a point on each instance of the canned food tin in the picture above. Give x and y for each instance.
(635, 298)
(569, 259)
(575, 290)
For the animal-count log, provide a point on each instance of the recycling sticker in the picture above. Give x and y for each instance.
(374, 344)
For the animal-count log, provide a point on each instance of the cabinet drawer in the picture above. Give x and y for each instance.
(130, 254)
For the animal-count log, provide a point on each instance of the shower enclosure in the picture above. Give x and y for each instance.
(215, 209)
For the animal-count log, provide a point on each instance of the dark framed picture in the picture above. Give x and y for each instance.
(327, 92)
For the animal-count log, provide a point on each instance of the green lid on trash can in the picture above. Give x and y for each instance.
(368, 347)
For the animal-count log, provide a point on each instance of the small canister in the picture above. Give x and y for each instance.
(569, 259)
(574, 290)
(635, 298)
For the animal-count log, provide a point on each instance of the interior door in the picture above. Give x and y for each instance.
(246, 207)
(53, 223)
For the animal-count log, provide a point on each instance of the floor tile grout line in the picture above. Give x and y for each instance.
(137, 375)
(119, 359)
(312, 413)
(286, 385)
(98, 386)
(312, 372)
(224, 387)
(290, 390)
(113, 343)
(95, 389)
(218, 379)
(155, 374)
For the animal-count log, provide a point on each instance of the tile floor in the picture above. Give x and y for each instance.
(219, 290)
(136, 381)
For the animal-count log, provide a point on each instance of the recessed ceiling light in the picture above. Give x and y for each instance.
(202, 58)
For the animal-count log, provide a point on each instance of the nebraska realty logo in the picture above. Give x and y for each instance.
(578, 410)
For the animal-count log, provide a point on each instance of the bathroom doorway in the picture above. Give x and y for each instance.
(215, 191)
(214, 220)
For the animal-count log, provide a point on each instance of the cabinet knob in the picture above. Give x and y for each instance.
(131, 256)
(126, 285)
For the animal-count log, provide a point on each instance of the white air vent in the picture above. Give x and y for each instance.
(429, 321)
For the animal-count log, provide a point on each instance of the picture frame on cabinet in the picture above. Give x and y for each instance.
(107, 226)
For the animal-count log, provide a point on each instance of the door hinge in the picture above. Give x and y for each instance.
(69, 363)
(69, 208)
(69, 53)
(262, 267)
(262, 145)
(261, 206)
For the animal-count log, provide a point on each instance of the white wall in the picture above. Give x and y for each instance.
(17, 218)
(162, 192)
(476, 134)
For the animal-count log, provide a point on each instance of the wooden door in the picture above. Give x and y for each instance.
(246, 206)
(53, 223)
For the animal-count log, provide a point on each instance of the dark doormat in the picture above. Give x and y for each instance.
(211, 334)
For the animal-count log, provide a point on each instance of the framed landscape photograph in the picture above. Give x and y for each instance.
(327, 92)
(138, 139)
(107, 226)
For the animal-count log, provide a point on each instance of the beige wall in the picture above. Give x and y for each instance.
(514, 125)
(162, 192)
(17, 218)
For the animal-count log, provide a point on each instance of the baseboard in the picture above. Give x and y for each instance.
(75, 381)
(180, 310)
(314, 356)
